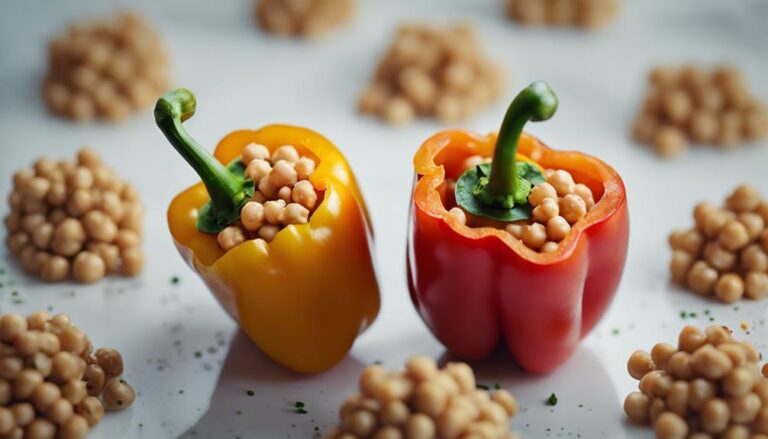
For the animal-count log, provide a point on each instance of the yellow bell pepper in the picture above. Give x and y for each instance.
(304, 297)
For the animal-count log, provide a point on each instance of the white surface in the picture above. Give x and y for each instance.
(244, 79)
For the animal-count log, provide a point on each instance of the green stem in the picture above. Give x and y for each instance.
(537, 102)
(225, 189)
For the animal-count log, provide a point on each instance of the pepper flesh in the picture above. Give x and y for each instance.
(304, 297)
(477, 287)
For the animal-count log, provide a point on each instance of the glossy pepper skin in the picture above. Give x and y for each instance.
(478, 287)
(304, 297)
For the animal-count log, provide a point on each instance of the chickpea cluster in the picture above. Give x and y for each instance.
(74, 219)
(105, 69)
(308, 18)
(557, 204)
(580, 13)
(709, 386)
(424, 402)
(725, 254)
(432, 71)
(691, 104)
(52, 384)
(284, 194)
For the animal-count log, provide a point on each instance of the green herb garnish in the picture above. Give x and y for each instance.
(552, 400)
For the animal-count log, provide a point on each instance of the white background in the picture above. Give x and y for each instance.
(245, 79)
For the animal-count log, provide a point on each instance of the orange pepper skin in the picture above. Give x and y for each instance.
(304, 297)
(478, 287)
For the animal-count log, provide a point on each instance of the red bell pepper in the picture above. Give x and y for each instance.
(475, 287)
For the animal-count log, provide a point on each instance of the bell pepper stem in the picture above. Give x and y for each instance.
(537, 102)
(224, 188)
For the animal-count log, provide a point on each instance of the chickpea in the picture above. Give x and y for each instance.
(739, 382)
(421, 368)
(304, 194)
(700, 391)
(23, 413)
(680, 266)
(744, 408)
(99, 226)
(273, 210)
(230, 237)
(669, 141)
(74, 391)
(252, 216)
(534, 235)
(546, 210)
(563, 182)
(753, 258)
(16, 242)
(714, 222)
(753, 222)
(287, 153)
(514, 229)
(68, 237)
(118, 394)
(30, 223)
(12, 326)
(451, 422)
(7, 421)
(37, 320)
(36, 188)
(257, 170)
(388, 433)
(127, 238)
(267, 189)
(44, 395)
(718, 257)
(268, 232)
(132, 260)
(680, 365)
(756, 285)
(88, 157)
(65, 367)
(80, 202)
(715, 415)
(285, 194)
(691, 338)
(255, 151)
(430, 398)
(304, 167)
(711, 363)
(656, 383)
(639, 364)
(549, 247)
(677, 398)
(27, 343)
(729, 288)
(702, 278)
(572, 208)
(394, 413)
(541, 192)
(60, 411)
(733, 236)
(25, 383)
(41, 236)
(735, 352)
(111, 204)
(76, 427)
(49, 343)
(420, 426)
(661, 353)
(91, 409)
(744, 198)
(671, 426)
(57, 216)
(72, 340)
(282, 174)
(41, 428)
(294, 213)
(88, 267)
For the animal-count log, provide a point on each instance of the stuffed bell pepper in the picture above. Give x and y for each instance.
(279, 231)
(511, 242)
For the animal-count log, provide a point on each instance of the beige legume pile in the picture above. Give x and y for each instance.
(580, 13)
(306, 18)
(105, 69)
(424, 402)
(74, 219)
(284, 195)
(557, 204)
(432, 71)
(691, 104)
(51, 381)
(710, 386)
(725, 254)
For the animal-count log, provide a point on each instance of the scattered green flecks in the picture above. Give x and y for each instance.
(615, 331)
(482, 387)
(736, 308)
(300, 407)
(250, 392)
(198, 354)
(497, 386)
(239, 412)
(175, 280)
(377, 362)
(552, 400)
